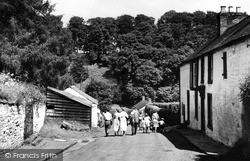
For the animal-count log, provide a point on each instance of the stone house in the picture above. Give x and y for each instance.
(210, 80)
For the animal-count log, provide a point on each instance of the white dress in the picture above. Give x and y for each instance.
(123, 119)
(116, 121)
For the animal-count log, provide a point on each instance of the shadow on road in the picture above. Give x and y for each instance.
(180, 142)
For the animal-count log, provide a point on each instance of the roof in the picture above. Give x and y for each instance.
(70, 96)
(88, 97)
(141, 104)
(236, 33)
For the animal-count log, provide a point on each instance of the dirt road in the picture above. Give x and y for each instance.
(140, 147)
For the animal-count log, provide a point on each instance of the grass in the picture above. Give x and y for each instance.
(97, 73)
(52, 129)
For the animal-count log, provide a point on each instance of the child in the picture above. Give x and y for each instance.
(161, 124)
(143, 124)
(147, 122)
(155, 125)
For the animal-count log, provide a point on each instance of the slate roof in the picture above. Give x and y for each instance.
(232, 35)
(70, 96)
(141, 104)
(88, 97)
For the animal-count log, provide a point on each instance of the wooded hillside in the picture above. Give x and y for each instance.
(141, 53)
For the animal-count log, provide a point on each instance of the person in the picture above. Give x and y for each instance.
(143, 125)
(107, 121)
(155, 116)
(140, 119)
(116, 122)
(155, 125)
(147, 122)
(134, 120)
(123, 121)
(161, 124)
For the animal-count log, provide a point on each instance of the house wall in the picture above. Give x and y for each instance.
(185, 85)
(227, 109)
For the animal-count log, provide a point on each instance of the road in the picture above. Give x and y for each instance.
(140, 147)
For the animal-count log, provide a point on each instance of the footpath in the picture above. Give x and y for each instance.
(201, 141)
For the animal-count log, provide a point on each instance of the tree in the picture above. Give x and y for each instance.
(79, 31)
(101, 39)
(167, 94)
(101, 91)
(77, 70)
(143, 18)
(148, 75)
(125, 24)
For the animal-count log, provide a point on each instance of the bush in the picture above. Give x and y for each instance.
(13, 91)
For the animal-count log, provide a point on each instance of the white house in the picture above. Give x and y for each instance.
(210, 80)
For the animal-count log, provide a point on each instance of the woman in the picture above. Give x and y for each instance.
(116, 122)
(123, 121)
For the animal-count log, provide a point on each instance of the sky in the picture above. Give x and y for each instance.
(154, 8)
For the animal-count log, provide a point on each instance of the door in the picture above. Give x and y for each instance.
(203, 114)
(202, 98)
(188, 107)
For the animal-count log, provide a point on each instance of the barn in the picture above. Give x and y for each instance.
(62, 104)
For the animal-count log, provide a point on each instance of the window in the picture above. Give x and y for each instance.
(209, 111)
(194, 75)
(224, 58)
(202, 70)
(196, 105)
(210, 69)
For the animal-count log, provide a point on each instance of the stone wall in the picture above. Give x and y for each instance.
(12, 124)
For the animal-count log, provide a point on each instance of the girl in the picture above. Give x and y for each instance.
(147, 122)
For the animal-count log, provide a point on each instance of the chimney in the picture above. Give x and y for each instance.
(229, 18)
(143, 98)
(237, 9)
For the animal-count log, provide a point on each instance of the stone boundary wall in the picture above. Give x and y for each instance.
(12, 123)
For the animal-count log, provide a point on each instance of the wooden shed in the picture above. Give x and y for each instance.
(62, 104)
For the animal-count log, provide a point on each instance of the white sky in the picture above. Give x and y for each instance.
(155, 8)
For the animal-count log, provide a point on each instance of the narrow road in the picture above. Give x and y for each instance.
(140, 147)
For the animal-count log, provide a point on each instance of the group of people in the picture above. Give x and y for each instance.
(121, 119)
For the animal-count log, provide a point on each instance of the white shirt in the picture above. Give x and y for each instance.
(107, 116)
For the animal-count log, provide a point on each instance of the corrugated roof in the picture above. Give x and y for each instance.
(235, 33)
(88, 97)
(70, 96)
